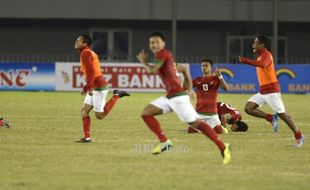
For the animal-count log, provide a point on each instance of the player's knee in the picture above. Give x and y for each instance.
(195, 124)
(100, 115)
(146, 112)
(84, 113)
(248, 109)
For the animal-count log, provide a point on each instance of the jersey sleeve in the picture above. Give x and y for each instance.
(195, 80)
(265, 61)
(89, 69)
(160, 59)
(217, 82)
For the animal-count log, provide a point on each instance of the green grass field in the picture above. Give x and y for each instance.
(40, 152)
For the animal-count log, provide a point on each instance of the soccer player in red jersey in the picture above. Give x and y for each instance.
(176, 99)
(230, 115)
(269, 89)
(96, 88)
(206, 89)
(4, 123)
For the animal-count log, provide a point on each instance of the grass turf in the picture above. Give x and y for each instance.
(40, 151)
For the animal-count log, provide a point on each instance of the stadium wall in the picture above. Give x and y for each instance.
(64, 76)
(219, 10)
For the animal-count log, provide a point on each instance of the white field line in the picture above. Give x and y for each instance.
(77, 117)
(154, 141)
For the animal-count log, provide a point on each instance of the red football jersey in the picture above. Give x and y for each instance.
(224, 108)
(90, 67)
(206, 90)
(168, 73)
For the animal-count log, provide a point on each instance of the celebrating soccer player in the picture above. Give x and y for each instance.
(176, 100)
(96, 88)
(206, 88)
(269, 89)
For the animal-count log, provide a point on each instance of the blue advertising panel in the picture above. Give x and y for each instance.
(27, 76)
(293, 78)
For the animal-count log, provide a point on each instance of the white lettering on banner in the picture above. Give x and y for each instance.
(148, 81)
(135, 81)
(139, 81)
(123, 80)
(128, 76)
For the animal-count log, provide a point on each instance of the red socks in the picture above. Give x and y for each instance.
(86, 126)
(110, 104)
(268, 118)
(154, 126)
(209, 132)
(298, 135)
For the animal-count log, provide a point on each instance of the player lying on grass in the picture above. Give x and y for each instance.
(231, 116)
(176, 100)
(228, 115)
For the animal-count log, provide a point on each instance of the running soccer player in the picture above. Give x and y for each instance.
(206, 89)
(230, 115)
(176, 100)
(269, 90)
(96, 88)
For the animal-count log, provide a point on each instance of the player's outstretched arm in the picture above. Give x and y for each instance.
(187, 84)
(223, 83)
(265, 61)
(143, 58)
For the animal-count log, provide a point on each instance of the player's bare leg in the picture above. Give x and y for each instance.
(152, 110)
(289, 121)
(291, 124)
(251, 108)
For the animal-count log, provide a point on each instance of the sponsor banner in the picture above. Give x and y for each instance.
(126, 76)
(27, 76)
(293, 78)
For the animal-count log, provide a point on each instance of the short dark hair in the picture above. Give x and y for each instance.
(157, 34)
(208, 60)
(87, 39)
(242, 126)
(263, 40)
